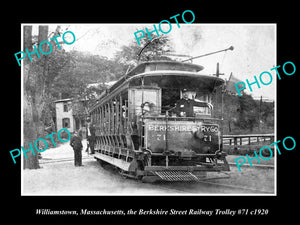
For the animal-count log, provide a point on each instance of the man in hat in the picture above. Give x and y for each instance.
(91, 137)
(76, 144)
(185, 106)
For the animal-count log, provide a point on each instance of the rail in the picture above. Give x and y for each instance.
(246, 143)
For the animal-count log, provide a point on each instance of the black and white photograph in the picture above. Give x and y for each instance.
(144, 109)
(159, 114)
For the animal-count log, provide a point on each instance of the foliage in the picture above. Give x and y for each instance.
(154, 50)
(84, 68)
(247, 112)
(244, 114)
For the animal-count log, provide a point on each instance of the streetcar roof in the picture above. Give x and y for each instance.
(170, 79)
(179, 79)
(162, 66)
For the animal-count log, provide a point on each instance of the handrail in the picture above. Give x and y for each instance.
(247, 135)
(231, 141)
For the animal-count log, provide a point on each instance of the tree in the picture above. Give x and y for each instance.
(83, 69)
(267, 113)
(38, 77)
(128, 55)
(35, 73)
(248, 113)
(230, 109)
(29, 110)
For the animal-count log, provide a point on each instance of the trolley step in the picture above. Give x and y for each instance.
(174, 175)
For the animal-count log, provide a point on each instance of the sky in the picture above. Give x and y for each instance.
(254, 46)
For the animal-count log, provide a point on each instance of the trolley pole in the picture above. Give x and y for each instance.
(230, 48)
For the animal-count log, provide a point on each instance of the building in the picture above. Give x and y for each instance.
(64, 114)
(70, 114)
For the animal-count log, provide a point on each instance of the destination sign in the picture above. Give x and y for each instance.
(203, 128)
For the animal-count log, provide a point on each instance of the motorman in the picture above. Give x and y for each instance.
(185, 106)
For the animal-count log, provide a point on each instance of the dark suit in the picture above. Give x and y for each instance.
(91, 139)
(187, 106)
(76, 144)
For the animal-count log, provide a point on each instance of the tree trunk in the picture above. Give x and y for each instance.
(29, 133)
(229, 125)
(33, 96)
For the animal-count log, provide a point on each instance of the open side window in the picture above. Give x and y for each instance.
(145, 101)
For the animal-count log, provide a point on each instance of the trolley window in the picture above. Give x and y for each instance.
(149, 99)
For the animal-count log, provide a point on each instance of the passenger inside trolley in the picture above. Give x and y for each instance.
(149, 109)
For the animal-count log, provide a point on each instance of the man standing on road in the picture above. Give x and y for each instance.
(91, 138)
(76, 144)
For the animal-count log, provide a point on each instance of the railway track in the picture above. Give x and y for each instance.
(47, 160)
(208, 186)
(217, 186)
(237, 187)
(260, 166)
(195, 188)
